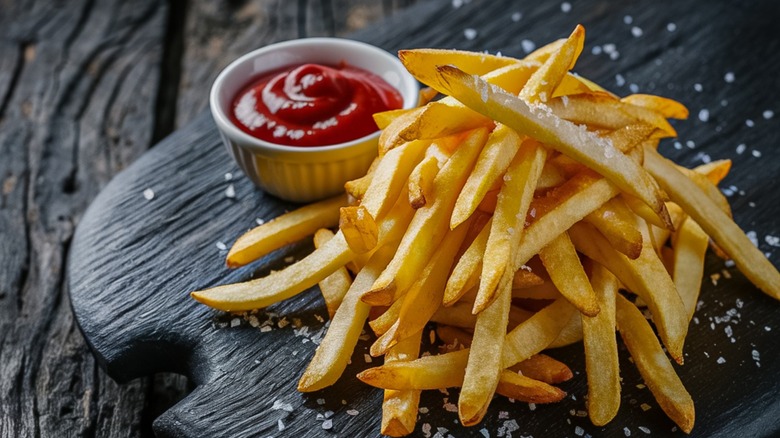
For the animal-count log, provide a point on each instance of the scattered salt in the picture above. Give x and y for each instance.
(626, 431)
(579, 431)
(729, 77)
(628, 19)
(645, 407)
(697, 86)
(470, 33)
(671, 27)
(634, 88)
(721, 360)
(690, 144)
(565, 7)
(749, 123)
(367, 358)
(768, 114)
(636, 31)
(517, 16)
(741, 148)
(772, 240)
(235, 322)
(228, 176)
(532, 406)
(596, 50)
(327, 424)
(756, 153)
(528, 46)
(620, 80)
(352, 412)
(644, 429)
(704, 115)
(221, 246)
(148, 194)
(279, 425)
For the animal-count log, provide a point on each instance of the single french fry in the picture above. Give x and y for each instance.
(424, 232)
(544, 81)
(647, 277)
(571, 333)
(336, 285)
(381, 324)
(399, 408)
(566, 137)
(483, 367)
(359, 228)
(285, 229)
(601, 354)
(671, 109)
(421, 181)
(727, 234)
(566, 272)
(390, 178)
(493, 160)
(545, 369)
(537, 333)
(655, 368)
(689, 245)
(616, 221)
(506, 230)
(332, 355)
(526, 389)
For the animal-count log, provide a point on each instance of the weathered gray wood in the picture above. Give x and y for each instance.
(84, 91)
(241, 370)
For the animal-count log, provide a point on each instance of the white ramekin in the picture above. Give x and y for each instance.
(303, 174)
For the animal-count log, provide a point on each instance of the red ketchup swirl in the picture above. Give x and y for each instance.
(313, 105)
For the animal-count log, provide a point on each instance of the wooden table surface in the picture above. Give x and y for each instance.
(85, 89)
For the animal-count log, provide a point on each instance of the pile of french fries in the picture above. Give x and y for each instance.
(515, 213)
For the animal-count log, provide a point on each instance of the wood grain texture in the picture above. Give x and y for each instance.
(138, 258)
(85, 89)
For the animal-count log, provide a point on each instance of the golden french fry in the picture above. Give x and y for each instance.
(536, 333)
(647, 277)
(336, 285)
(689, 245)
(332, 355)
(285, 229)
(616, 222)
(381, 324)
(714, 170)
(545, 369)
(399, 408)
(544, 81)
(655, 368)
(390, 177)
(708, 187)
(715, 223)
(424, 233)
(359, 228)
(571, 333)
(483, 367)
(550, 177)
(566, 272)
(601, 354)
(493, 160)
(546, 127)
(506, 231)
(525, 389)
(523, 279)
(421, 181)
(671, 109)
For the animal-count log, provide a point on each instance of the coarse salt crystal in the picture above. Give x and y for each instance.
(634, 88)
(148, 194)
(768, 114)
(690, 144)
(279, 425)
(579, 431)
(644, 429)
(756, 153)
(749, 123)
(230, 191)
(729, 77)
(327, 424)
(228, 176)
(565, 7)
(628, 19)
(626, 431)
(352, 412)
(235, 322)
(741, 148)
(620, 80)
(457, 3)
(752, 236)
(517, 16)
(221, 246)
(528, 46)
(704, 115)
(596, 50)
(636, 31)
(645, 407)
(721, 360)
(772, 240)
(470, 33)
(671, 27)
(614, 56)
(532, 406)
(697, 86)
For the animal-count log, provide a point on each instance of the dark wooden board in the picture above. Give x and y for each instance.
(133, 260)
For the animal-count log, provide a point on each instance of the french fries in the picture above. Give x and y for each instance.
(511, 213)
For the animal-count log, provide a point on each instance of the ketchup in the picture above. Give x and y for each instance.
(313, 105)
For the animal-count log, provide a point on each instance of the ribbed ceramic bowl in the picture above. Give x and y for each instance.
(303, 174)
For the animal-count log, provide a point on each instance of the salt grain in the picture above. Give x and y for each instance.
(690, 144)
(626, 431)
(367, 358)
(721, 360)
(768, 114)
(636, 31)
(634, 88)
(228, 176)
(565, 7)
(697, 86)
(528, 46)
(704, 115)
(279, 425)
(729, 77)
(596, 50)
(671, 27)
(221, 246)
(470, 33)
(749, 123)
(457, 4)
(148, 194)
(772, 240)
(620, 80)
(628, 19)
(235, 322)
(327, 424)
(579, 431)
(230, 191)
(741, 148)
(352, 412)
(644, 429)
(756, 153)
(517, 16)
(532, 406)
(767, 328)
